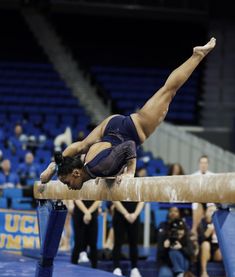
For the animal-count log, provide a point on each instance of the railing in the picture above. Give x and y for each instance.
(175, 145)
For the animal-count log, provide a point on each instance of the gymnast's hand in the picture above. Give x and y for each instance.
(47, 174)
(97, 179)
(120, 178)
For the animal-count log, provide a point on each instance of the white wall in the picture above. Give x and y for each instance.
(174, 145)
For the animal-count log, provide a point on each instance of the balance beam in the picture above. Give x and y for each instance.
(216, 188)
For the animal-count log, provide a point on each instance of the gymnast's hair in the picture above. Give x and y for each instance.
(65, 165)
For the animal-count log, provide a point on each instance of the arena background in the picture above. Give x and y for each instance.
(65, 65)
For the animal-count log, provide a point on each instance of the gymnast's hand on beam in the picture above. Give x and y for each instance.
(97, 179)
(42, 188)
(121, 177)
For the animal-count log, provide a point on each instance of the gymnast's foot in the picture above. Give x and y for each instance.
(204, 50)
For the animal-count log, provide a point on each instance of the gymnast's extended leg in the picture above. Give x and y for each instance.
(155, 109)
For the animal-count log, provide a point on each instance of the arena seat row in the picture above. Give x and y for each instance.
(131, 87)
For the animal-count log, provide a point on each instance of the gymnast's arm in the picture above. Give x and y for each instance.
(82, 147)
(76, 148)
(129, 171)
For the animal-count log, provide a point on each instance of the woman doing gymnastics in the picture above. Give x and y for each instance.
(110, 149)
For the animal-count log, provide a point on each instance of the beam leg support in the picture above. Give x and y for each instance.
(224, 222)
(51, 219)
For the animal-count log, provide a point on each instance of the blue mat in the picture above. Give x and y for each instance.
(17, 265)
(62, 264)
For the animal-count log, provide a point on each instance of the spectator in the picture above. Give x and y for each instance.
(175, 248)
(142, 172)
(8, 178)
(122, 214)
(19, 140)
(198, 209)
(29, 171)
(209, 247)
(110, 238)
(196, 247)
(63, 140)
(66, 235)
(126, 219)
(203, 166)
(175, 169)
(163, 261)
(85, 225)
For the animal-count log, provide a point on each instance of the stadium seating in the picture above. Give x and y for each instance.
(130, 87)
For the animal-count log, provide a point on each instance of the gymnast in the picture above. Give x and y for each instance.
(110, 149)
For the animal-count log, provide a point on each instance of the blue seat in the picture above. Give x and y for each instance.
(7, 153)
(12, 192)
(3, 203)
(22, 203)
(131, 87)
(179, 205)
(151, 171)
(15, 163)
(15, 117)
(140, 164)
(43, 155)
(21, 153)
(160, 216)
(51, 119)
(142, 214)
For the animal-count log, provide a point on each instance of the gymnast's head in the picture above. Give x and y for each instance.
(70, 170)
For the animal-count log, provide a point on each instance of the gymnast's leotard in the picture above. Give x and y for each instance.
(121, 133)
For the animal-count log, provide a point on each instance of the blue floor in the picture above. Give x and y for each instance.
(24, 265)
(18, 265)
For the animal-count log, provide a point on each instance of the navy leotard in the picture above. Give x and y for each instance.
(121, 133)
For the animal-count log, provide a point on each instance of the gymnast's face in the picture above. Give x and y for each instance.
(73, 180)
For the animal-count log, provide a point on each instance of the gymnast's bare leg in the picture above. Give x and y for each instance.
(155, 109)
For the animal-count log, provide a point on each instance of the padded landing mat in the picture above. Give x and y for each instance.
(17, 265)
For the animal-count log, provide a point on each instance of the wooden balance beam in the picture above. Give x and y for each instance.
(216, 188)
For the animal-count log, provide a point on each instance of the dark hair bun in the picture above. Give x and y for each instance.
(58, 157)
